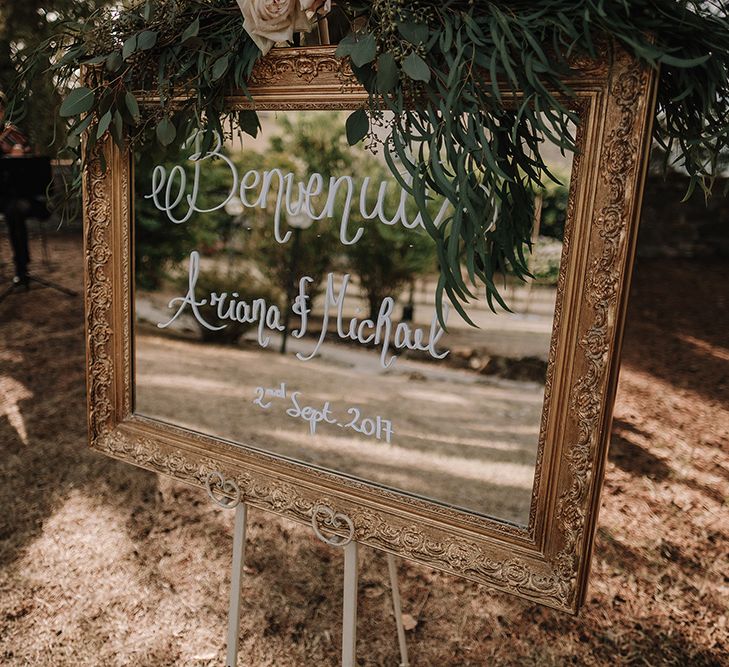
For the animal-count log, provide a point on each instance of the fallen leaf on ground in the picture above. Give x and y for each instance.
(408, 622)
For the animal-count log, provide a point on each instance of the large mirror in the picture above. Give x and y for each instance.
(284, 299)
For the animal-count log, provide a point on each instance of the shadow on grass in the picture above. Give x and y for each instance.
(679, 317)
(633, 458)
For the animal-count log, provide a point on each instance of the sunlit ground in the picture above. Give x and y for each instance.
(104, 564)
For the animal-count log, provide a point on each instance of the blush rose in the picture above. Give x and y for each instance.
(271, 21)
(314, 7)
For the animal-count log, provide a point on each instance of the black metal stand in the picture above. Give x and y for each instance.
(25, 287)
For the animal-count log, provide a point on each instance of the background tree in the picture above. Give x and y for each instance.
(24, 24)
(160, 245)
(384, 260)
(302, 143)
(387, 258)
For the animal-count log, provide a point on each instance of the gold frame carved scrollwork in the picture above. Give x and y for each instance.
(547, 561)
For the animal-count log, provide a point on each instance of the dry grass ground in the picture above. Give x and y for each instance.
(104, 564)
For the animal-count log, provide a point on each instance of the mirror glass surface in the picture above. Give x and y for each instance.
(287, 328)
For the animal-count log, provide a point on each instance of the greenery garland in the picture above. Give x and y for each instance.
(428, 63)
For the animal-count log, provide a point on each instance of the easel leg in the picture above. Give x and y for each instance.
(349, 627)
(239, 544)
(52, 285)
(392, 568)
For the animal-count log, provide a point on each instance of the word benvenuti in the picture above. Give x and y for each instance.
(293, 197)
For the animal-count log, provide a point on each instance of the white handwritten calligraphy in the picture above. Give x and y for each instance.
(376, 427)
(382, 332)
(167, 198)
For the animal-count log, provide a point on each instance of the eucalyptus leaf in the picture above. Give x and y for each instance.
(104, 124)
(358, 126)
(668, 59)
(97, 60)
(220, 67)
(387, 72)
(364, 50)
(114, 61)
(130, 46)
(166, 132)
(416, 68)
(345, 46)
(81, 126)
(146, 40)
(132, 105)
(415, 33)
(78, 101)
(117, 128)
(249, 122)
(191, 31)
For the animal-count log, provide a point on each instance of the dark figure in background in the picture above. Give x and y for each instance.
(13, 144)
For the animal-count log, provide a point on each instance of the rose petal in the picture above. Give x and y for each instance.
(271, 21)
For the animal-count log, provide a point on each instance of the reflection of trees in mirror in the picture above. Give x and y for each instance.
(384, 260)
(160, 245)
(554, 208)
(240, 252)
(545, 254)
(310, 144)
(240, 282)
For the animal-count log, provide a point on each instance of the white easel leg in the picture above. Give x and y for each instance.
(392, 567)
(239, 544)
(349, 627)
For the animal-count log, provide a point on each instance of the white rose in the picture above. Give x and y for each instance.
(271, 21)
(314, 7)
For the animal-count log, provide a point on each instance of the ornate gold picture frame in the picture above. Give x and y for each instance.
(547, 561)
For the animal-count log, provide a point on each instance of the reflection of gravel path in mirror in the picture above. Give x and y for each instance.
(350, 360)
(457, 438)
(345, 356)
(515, 334)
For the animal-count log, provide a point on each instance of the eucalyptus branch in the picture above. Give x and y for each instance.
(473, 90)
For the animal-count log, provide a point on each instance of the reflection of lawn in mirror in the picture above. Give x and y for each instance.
(459, 438)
